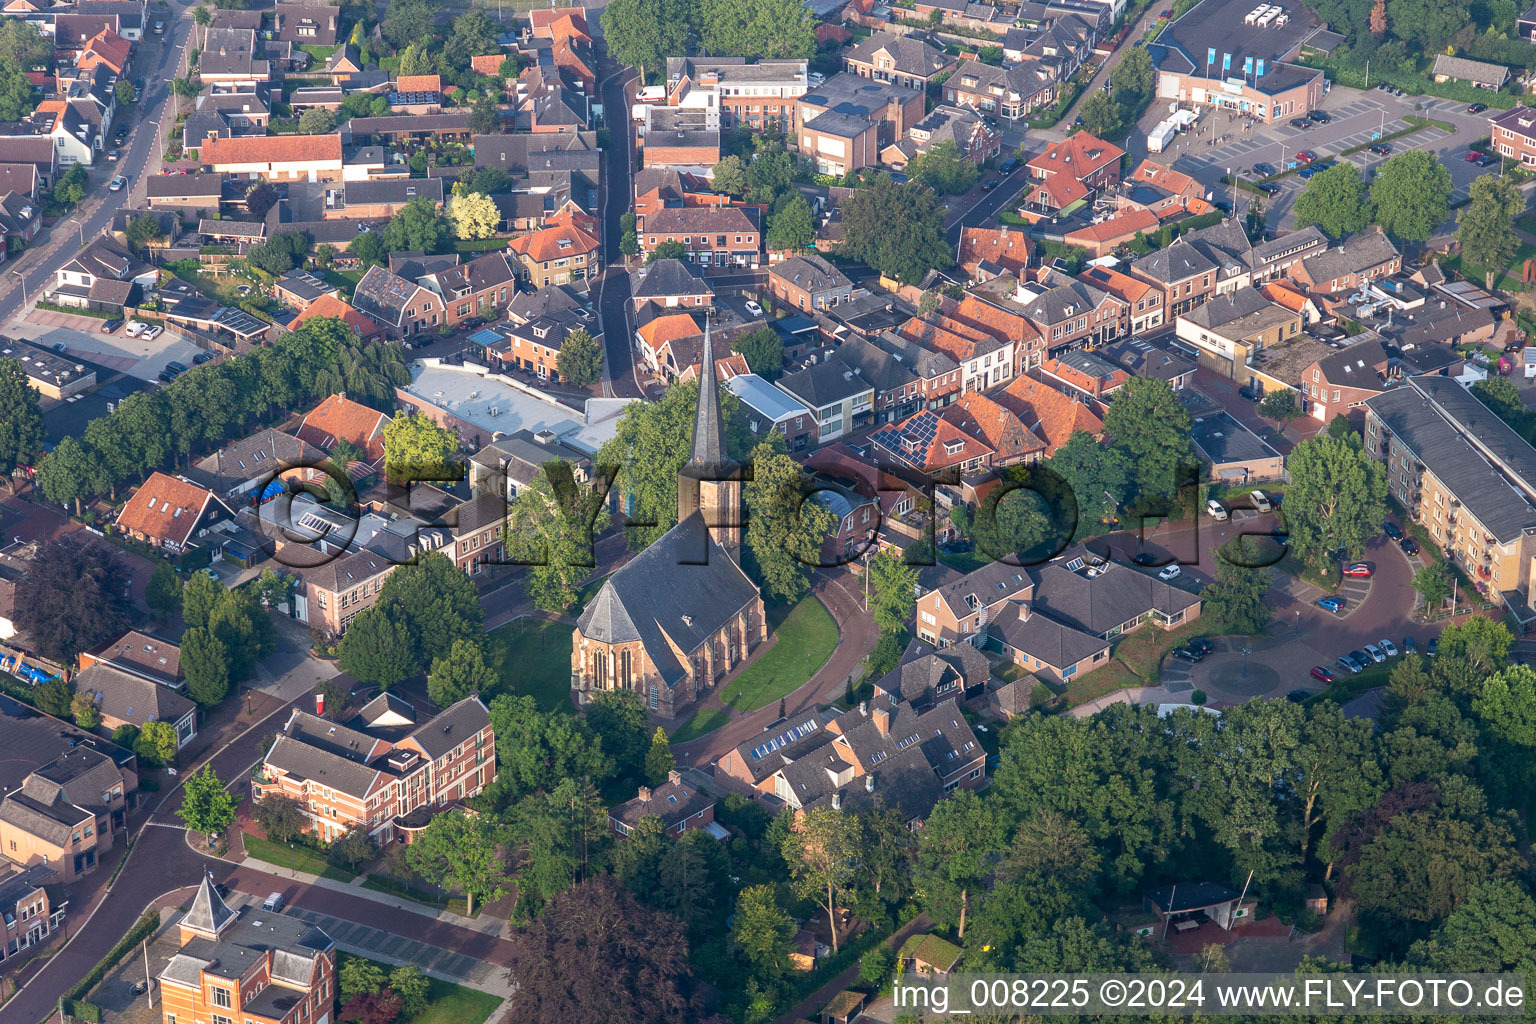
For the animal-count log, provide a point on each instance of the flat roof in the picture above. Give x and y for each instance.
(764, 398)
(1222, 439)
(1220, 24)
(42, 365)
(471, 394)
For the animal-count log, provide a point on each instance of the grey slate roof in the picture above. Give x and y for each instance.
(1360, 253)
(662, 593)
(672, 802)
(209, 913)
(451, 726)
(1098, 604)
(825, 383)
(909, 55)
(1355, 366)
(1052, 642)
(1145, 360)
(670, 278)
(811, 272)
(305, 762)
(131, 698)
(1239, 314)
(708, 459)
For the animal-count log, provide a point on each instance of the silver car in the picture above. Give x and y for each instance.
(1375, 653)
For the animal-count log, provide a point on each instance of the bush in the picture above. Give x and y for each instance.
(875, 966)
(1198, 698)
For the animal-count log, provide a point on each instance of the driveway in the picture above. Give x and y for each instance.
(116, 352)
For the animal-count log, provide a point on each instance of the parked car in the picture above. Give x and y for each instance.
(201, 358)
(1252, 392)
(1332, 603)
(135, 328)
(1306, 156)
(989, 185)
(955, 547)
(1410, 646)
(1381, 149)
(1298, 696)
(1263, 170)
(1217, 510)
(1359, 570)
(1008, 166)
(108, 326)
(117, 184)
(1487, 161)
(816, 79)
(1409, 545)
(1472, 156)
(1433, 648)
(153, 332)
(1376, 653)
(1348, 664)
(1392, 530)
(1477, 108)
(1261, 501)
(1361, 658)
(1269, 188)
(1170, 572)
(1301, 123)
(1185, 654)
(753, 308)
(1387, 647)
(273, 903)
(1201, 644)
(113, 155)
(1319, 116)
(1322, 675)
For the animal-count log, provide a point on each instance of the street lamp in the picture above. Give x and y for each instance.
(79, 224)
(1246, 651)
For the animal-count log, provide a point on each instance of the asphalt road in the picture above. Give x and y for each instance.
(37, 266)
(613, 307)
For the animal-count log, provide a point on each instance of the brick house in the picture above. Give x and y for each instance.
(1342, 382)
(997, 427)
(931, 445)
(275, 157)
(1143, 303)
(568, 249)
(718, 236)
(1513, 133)
(338, 418)
(961, 128)
(905, 60)
(333, 306)
(1049, 413)
(985, 253)
(171, 513)
(1070, 171)
(355, 776)
(402, 308)
(1360, 260)
(30, 913)
(671, 284)
(1012, 91)
(679, 806)
(808, 282)
(476, 527)
(67, 811)
(480, 288)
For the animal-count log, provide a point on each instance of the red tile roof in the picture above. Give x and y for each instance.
(995, 320)
(1079, 156)
(556, 22)
(1123, 225)
(1048, 412)
(999, 427)
(330, 305)
(1127, 289)
(338, 418)
(1153, 173)
(275, 149)
(165, 508)
(923, 440)
(1008, 248)
(105, 47)
(671, 327)
(419, 83)
(544, 244)
(487, 64)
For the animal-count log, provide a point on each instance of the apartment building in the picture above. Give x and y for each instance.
(29, 912)
(837, 396)
(1338, 384)
(67, 794)
(355, 776)
(712, 236)
(1466, 477)
(1513, 132)
(760, 96)
(1229, 331)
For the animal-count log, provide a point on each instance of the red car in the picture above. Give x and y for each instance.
(1306, 156)
(1321, 674)
(1359, 570)
(1473, 156)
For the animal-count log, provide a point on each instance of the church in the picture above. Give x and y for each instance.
(679, 616)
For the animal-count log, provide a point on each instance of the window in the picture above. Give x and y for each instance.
(219, 996)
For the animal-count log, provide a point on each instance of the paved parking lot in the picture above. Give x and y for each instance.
(117, 352)
(377, 943)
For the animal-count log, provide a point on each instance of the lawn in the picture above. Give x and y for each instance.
(1508, 278)
(1142, 652)
(1110, 677)
(807, 636)
(298, 858)
(1347, 687)
(533, 659)
(447, 1003)
(705, 720)
(346, 280)
(455, 905)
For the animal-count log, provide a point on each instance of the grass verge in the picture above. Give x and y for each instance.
(807, 636)
(532, 657)
(705, 720)
(447, 1003)
(1142, 652)
(454, 904)
(297, 858)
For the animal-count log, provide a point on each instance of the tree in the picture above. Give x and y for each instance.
(1412, 192)
(461, 851)
(1492, 931)
(53, 697)
(282, 818)
(1099, 476)
(551, 528)
(206, 806)
(17, 99)
(485, 115)
(617, 718)
(332, 698)
(408, 22)
(944, 169)
(377, 649)
(896, 229)
(1487, 225)
(140, 230)
(70, 188)
(325, 253)
(459, 673)
(370, 249)
(415, 448)
(71, 599)
(560, 838)
(791, 227)
(763, 350)
(646, 32)
(893, 590)
(1433, 582)
(580, 360)
(317, 121)
(1336, 200)
(762, 930)
(418, 226)
(1281, 406)
(757, 28)
(201, 594)
(729, 176)
(646, 976)
(410, 985)
(22, 45)
(205, 662)
(71, 472)
(668, 250)
(21, 428)
(358, 976)
(1101, 115)
(125, 94)
(473, 215)
(535, 749)
(201, 15)
(163, 592)
(243, 626)
(1151, 427)
(954, 854)
(474, 34)
(84, 711)
(658, 759)
(1237, 598)
(351, 849)
(820, 854)
(1337, 497)
(436, 603)
(156, 743)
(785, 529)
(1010, 522)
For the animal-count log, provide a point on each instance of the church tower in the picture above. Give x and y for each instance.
(711, 482)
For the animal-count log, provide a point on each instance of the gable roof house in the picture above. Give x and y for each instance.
(172, 513)
(568, 249)
(679, 805)
(102, 277)
(66, 795)
(1068, 173)
(107, 49)
(906, 60)
(276, 157)
(930, 445)
(142, 655)
(261, 459)
(960, 127)
(1053, 416)
(671, 283)
(1343, 381)
(307, 23)
(402, 308)
(338, 418)
(332, 305)
(1012, 91)
(1230, 330)
(986, 253)
(996, 426)
(1350, 266)
(126, 698)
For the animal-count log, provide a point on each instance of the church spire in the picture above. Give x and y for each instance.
(708, 426)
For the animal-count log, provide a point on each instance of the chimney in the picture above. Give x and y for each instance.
(883, 721)
(675, 777)
(837, 801)
(869, 783)
(864, 708)
(1025, 611)
(644, 794)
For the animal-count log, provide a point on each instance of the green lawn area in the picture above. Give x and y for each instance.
(1109, 677)
(807, 636)
(533, 659)
(1508, 279)
(320, 53)
(455, 905)
(299, 858)
(447, 1003)
(1141, 652)
(346, 280)
(705, 720)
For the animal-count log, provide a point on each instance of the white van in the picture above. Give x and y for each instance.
(135, 328)
(1217, 510)
(1261, 501)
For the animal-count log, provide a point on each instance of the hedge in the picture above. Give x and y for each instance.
(98, 314)
(146, 927)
